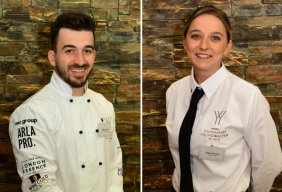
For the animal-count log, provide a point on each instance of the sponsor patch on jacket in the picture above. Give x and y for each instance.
(37, 182)
(34, 178)
(120, 171)
(26, 120)
(25, 137)
(26, 133)
(33, 165)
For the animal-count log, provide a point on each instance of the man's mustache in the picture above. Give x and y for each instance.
(79, 66)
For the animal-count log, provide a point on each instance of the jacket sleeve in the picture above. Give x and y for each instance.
(261, 136)
(116, 168)
(30, 130)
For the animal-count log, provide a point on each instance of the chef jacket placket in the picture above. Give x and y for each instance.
(83, 124)
(101, 160)
(78, 129)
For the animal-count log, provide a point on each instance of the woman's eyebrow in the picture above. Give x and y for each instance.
(195, 30)
(216, 32)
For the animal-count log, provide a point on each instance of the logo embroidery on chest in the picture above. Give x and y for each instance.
(215, 133)
(218, 116)
(107, 119)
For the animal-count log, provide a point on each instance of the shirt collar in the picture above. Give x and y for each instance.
(62, 86)
(212, 83)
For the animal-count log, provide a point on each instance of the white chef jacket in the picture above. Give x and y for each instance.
(57, 147)
(234, 115)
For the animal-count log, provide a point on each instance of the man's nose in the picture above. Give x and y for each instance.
(80, 58)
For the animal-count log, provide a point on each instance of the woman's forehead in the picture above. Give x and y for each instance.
(207, 23)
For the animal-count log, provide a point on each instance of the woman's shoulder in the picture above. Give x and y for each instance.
(241, 86)
(239, 79)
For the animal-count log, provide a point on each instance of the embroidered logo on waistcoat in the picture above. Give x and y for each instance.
(218, 116)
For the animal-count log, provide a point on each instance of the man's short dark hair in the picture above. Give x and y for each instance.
(75, 21)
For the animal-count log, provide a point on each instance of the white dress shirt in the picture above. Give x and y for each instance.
(57, 147)
(233, 115)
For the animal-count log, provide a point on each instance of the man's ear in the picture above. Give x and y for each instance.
(94, 53)
(52, 57)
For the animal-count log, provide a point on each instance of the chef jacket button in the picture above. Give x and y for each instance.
(100, 163)
(83, 166)
(71, 100)
(80, 132)
(97, 130)
(88, 100)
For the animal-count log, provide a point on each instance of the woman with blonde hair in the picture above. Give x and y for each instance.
(221, 134)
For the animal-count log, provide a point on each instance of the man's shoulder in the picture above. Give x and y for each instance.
(43, 100)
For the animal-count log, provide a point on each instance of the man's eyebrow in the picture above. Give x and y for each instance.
(89, 46)
(70, 46)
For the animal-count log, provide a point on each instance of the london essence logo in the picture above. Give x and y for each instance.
(33, 165)
(215, 133)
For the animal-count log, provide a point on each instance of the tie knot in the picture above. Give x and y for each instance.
(197, 94)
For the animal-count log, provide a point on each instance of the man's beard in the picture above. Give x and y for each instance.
(66, 76)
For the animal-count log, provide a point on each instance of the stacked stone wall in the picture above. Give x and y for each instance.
(24, 69)
(256, 56)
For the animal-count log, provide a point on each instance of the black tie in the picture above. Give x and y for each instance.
(186, 181)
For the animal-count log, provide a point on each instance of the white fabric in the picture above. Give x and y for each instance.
(246, 130)
(53, 146)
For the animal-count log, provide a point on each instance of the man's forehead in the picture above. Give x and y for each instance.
(75, 36)
(73, 30)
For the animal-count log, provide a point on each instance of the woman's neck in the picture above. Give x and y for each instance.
(202, 75)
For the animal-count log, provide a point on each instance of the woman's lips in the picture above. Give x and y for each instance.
(203, 56)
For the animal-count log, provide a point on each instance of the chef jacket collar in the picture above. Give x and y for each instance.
(62, 86)
(211, 84)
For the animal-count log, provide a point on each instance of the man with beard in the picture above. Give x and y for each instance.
(64, 136)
